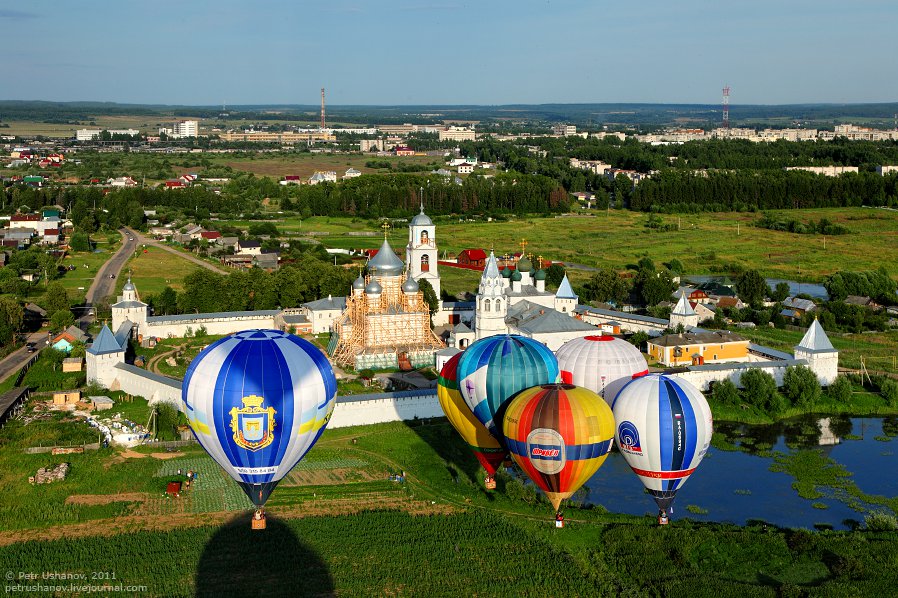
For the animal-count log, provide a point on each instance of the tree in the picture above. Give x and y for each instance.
(166, 302)
(57, 298)
(555, 274)
(840, 390)
(654, 287)
(12, 313)
(430, 297)
(79, 349)
(61, 320)
(780, 293)
(751, 287)
(725, 393)
(801, 386)
(606, 285)
(639, 339)
(79, 242)
(759, 389)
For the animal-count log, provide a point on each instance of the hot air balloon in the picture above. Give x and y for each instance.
(486, 448)
(664, 428)
(559, 434)
(257, 401)
(494, 368)
(603, 364)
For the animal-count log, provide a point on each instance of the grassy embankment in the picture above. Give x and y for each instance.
(465, 543)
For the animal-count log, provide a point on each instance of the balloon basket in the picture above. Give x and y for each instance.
(559, 523)
(490, 483)
(258, 520)
(663, 519)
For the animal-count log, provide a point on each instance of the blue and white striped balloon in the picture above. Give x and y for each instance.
(257, 401)
(664, 428)
(494, 368)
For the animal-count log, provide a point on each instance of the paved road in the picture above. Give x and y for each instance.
(150, 241)
(101, 286)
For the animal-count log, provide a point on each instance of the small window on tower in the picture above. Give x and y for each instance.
(424, 237)
(486, 305)
(425, 263)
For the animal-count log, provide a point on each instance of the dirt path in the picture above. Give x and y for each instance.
(153, 364)
(130, 524)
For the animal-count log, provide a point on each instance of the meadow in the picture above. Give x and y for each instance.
(341, 527)
(153, 269)
(705, 243)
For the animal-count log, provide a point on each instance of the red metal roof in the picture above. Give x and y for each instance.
(210, 234)
(475, 254)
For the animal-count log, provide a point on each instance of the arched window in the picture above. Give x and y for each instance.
(425, 263)
(424, 238)
(498, 305)
(486, 305)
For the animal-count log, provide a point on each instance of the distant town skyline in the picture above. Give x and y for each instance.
(446, 52)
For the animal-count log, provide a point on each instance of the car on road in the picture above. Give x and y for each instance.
(30, 347)
(112, 276)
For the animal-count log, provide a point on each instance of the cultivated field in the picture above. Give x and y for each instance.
(305, 165)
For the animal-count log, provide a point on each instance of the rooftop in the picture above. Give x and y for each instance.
(697, 338)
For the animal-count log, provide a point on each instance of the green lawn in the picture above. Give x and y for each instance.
(153, 269)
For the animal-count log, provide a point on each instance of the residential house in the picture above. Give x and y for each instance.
(472, 257)
(793, 307)
(351, 173)
(465, 168)
(863, 302)
(403, 150)
(730, 302)
(248, 247)
(210, 235)
(291, 179)
(323, 177)
(65, 340)
(122, 181)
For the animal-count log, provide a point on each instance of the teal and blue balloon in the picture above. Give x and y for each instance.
(495, 368)
(257, 401)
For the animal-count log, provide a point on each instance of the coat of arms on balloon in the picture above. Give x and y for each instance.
(257, 401)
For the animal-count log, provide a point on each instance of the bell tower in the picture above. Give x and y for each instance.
(421, 254)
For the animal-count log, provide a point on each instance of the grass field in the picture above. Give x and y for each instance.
(305, 165)
(706, 243)
(154, 270)
(338, 525)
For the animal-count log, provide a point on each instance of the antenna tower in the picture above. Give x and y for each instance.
(726, 107)
(322, 108)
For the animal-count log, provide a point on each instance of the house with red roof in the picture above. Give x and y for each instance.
(472, 257)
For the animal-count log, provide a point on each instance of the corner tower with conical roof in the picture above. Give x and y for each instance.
(816, 348)
(421, 253)
(682, 313)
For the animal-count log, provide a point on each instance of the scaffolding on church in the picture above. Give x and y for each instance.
(388, 330)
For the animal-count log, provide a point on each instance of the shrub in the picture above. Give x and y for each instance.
(801, 386)
(759, 389)
(840, 390)
(880, 521)
(725, 393)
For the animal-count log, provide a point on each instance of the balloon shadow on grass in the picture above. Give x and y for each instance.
(439, 434)
(240, 561)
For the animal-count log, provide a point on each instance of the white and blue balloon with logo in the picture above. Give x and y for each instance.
(664, 428)
(257, 401)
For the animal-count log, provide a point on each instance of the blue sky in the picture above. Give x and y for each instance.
(449, 51)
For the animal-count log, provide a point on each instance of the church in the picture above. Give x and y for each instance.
(515, 301)
(386, 322)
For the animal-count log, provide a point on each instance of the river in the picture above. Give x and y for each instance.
(737, 486)
(817, 291)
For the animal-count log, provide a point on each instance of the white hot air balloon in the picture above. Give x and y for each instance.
(664, 428)
(603, 364)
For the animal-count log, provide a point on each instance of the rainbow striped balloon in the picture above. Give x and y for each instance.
(560, 435)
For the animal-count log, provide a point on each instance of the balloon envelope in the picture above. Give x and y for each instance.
(603, 364)
(559, 434)
(494, 368)
(664, 428)
(257, 401)
(486, 448)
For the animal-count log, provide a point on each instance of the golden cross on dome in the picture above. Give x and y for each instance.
(523, 245)
(540, 258)
(386, 226)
